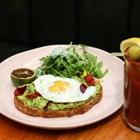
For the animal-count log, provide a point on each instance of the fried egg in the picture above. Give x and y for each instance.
(58, 89)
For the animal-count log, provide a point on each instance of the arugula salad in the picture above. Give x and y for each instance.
(67, 62)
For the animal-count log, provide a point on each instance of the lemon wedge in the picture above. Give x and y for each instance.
(134, 41)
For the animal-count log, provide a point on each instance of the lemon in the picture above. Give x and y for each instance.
(22, 76)
(134, 41)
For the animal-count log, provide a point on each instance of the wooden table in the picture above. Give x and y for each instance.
(111, 128)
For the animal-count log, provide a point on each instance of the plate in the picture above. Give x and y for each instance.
(112, 90)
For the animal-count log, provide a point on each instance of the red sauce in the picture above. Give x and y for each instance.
(132, 91)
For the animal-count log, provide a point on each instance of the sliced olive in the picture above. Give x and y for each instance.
(22, 76)
(134, 53)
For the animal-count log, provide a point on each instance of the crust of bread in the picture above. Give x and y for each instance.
(59, 113)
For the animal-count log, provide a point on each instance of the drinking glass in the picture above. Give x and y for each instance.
(132, 93)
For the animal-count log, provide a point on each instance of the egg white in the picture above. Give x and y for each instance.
(72, 94)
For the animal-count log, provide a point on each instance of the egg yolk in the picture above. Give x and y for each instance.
(59, 86)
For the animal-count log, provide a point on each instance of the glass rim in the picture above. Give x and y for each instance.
(131, 61)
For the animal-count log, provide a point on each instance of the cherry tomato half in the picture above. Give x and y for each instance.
(89, 80)
(33, 95)
(19, 91)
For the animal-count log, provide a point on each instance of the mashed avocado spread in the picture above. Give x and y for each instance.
(40, 102)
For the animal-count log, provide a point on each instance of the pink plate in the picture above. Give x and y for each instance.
(112, 90)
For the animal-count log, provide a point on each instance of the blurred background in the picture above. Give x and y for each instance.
(29, 24)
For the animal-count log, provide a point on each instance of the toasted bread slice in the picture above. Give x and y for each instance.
(59, 113)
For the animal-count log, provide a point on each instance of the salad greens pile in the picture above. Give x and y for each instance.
(67, 62)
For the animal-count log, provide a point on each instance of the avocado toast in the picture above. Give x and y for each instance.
(41, 107)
